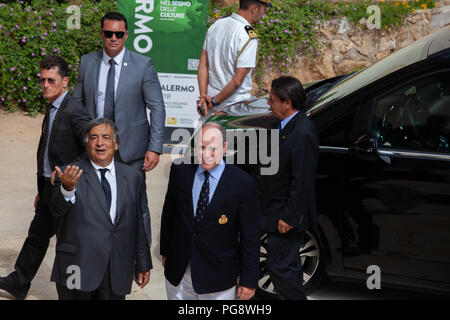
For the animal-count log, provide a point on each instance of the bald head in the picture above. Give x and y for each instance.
(211, 145)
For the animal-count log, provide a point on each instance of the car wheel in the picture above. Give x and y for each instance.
(313, 271)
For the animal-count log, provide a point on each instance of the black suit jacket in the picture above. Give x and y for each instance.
(290, 194)
(218, 252)
(66, 138)
(86, 236)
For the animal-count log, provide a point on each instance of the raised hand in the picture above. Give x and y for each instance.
(69, 178)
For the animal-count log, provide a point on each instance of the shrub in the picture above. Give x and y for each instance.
(33, 29)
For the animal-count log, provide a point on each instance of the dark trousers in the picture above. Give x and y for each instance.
(42, 228)
(103, 292)
(284, 264)
(144, 203)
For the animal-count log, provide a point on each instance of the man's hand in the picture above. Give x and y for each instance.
(204, 101)
(245, 293)
(143, 278)
(150, 161)
(69, 178)
(36, 200)
(163, 262)
(52, 178)
(283, 227)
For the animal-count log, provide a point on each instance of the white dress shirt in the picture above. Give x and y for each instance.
(199, 178)
(110, 175)
(104, 69)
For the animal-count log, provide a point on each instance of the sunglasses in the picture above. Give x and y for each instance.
(50, 80)
(109, 34)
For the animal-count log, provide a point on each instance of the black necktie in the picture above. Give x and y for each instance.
(106, 188)
(108, 111)
(44, 137)
(203, 199)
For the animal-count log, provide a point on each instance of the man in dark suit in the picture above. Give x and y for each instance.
(60, 143)
(101, 240)
(123, 93)
(287, 198)
(210, 226)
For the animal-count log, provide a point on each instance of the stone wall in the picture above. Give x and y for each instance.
(348, 47)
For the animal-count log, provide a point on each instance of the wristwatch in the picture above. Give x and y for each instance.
(214, 103)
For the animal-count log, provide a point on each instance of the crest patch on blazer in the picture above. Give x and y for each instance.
(223, 219)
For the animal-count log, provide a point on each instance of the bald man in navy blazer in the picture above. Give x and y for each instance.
(209, 240)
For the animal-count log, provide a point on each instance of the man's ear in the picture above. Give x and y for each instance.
(66, 82)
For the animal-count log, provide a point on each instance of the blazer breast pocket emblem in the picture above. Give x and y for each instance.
(223, 219)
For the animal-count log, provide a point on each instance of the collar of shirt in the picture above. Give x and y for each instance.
(58, 101)
(240, 18)
(215, 173)
(110, 167)
(284, 122)
(118, 59)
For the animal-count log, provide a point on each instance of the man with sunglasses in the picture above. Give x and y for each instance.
(120, 85)
(61, 142)
(228, 57)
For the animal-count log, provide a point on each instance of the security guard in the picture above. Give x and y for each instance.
(228, 57)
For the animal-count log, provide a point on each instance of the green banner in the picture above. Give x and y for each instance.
(170, 32)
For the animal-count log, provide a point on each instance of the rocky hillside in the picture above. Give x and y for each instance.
(348, 47)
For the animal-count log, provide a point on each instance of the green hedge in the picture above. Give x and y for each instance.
(31, 30)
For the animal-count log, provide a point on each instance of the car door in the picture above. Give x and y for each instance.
(399, 202)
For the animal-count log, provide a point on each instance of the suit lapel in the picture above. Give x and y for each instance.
(125, 76)
(56, 119)
(284, 133)
(190, 179)
(96, 77)
(221, 186)
(94, 182)
(122, 187)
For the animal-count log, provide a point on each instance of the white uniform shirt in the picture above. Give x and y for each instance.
(224, 40)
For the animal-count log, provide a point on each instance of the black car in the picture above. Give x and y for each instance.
(383, 178)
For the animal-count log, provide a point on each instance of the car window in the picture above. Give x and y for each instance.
(337, 134)
(417, 116)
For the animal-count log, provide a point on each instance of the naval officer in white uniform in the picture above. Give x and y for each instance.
(228, 57)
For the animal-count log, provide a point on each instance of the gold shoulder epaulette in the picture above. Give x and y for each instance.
(251, 33)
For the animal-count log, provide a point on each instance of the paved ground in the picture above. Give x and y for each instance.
(19, 137)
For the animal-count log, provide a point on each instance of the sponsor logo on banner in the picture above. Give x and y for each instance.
(172, 120)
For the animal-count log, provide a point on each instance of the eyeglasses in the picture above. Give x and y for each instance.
(109, 34)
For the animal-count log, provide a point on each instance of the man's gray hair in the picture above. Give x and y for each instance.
(97, 122)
